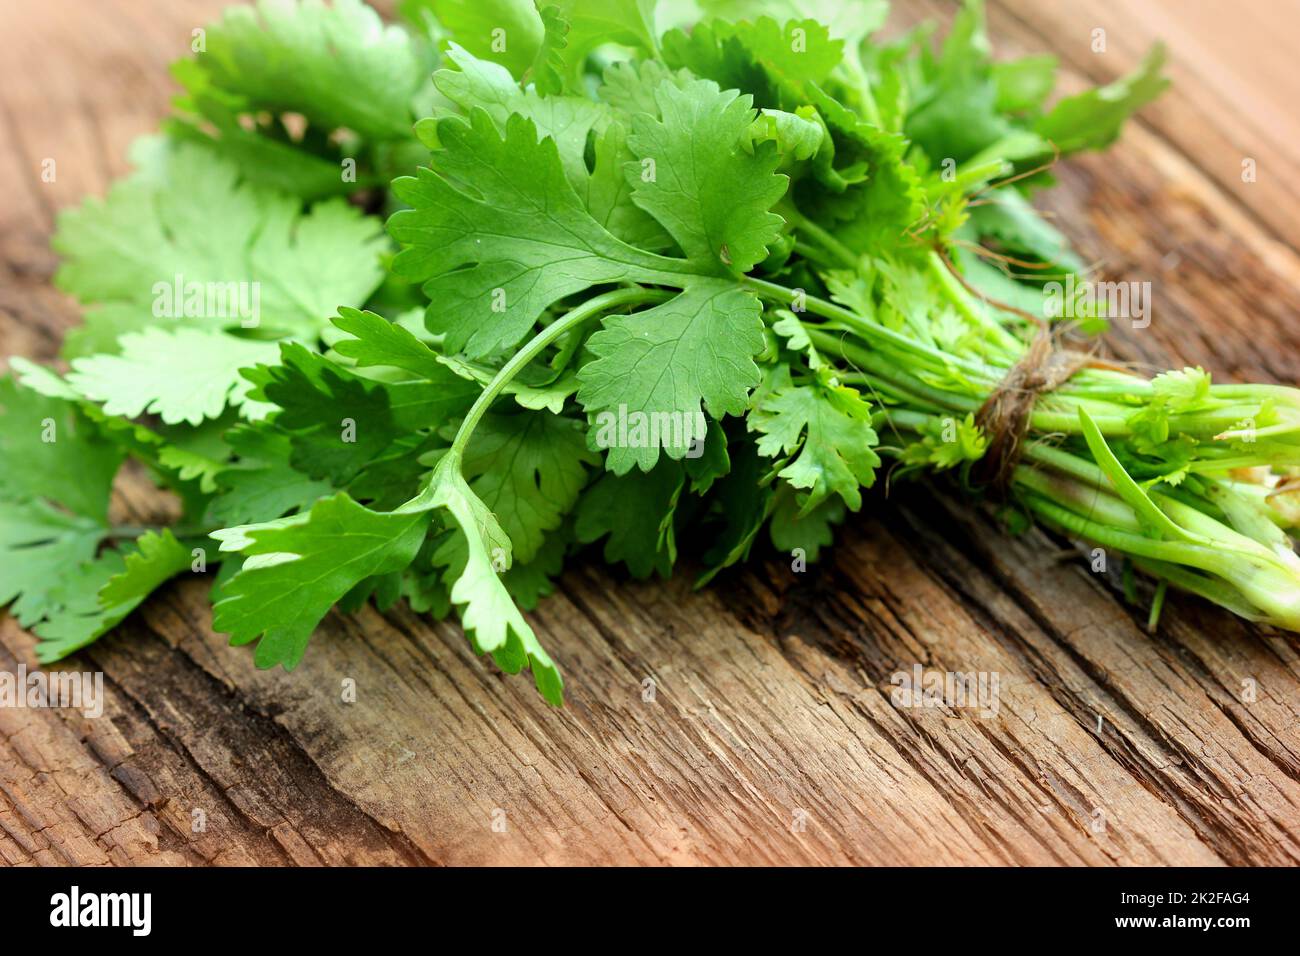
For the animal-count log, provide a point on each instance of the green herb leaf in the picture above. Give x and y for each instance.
(492, 622)
(153, 253)
(1092, 119)
(527, 468)
(295, 569)
(830, 428)
(181, 375)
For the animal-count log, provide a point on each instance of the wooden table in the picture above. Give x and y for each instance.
(771, 737)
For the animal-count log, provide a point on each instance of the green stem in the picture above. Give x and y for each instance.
(862, 82)
(879, 370)
(571, 319)
(868, 330)
(823, 238)
(961, 301)
(813, 254)
(1157, 605)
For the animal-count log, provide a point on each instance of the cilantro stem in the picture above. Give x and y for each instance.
(1267, 582)
(813, 254)
(571, 319)
(1157, 605)
(867, 329)
(961, 300)
(823, 238)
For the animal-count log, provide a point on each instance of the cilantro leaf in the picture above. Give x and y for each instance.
(594, 23)
(486, 85)
(791, 528)
(528, 469)
(550, 392)
(497, 234)
(338, 65)
(665, 361)
(65, 572)
(1182, 389)
(867, 186)
(629, 85)
(181, 375)
(340, 421)
(744, 502)
(947, 442)
(798, 134)
(52, 452)
(157, 558)
(337, 421)
(39, 547)
(54, 492)
(1025, 83)
(830, 429)
(495, 259)
(548, 67)
(1093, 119)
(309, 99)
(262, 484)
(956, 111)
(607, 193)
(1017, 227)
(776, 62)
(508, 32)
(295, 569)
(441, 388)
(74, 616)
(634, 513)
(571, 121)
(713, 460)
(491, 620)
(153, 252)
(529, 583)
(711, 195)
(376, 341)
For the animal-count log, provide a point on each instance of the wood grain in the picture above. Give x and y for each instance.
(771, 736)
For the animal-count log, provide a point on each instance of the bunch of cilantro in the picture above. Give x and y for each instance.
(414, 312)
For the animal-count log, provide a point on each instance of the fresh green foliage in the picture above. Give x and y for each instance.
(54, 490)
(295, 569)
(181, 375)
(655, 288)
(155, 253)
(528, 468)
(307, 98)
(827, 433)
(697, 348)
(338, 65)
(491, 620)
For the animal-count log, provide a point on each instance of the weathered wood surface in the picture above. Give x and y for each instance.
(772, 701)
